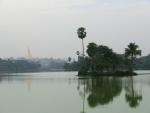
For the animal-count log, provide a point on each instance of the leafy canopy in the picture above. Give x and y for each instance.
(132, 51)
(81, 32)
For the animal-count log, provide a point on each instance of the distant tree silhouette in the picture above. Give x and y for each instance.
(12, 65)
(69, 59)
(78, 53)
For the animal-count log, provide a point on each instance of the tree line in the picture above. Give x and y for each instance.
(16, 66)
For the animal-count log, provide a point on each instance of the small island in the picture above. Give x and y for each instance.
(101, 60)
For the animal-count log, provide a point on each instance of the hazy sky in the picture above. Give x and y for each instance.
(49, 27)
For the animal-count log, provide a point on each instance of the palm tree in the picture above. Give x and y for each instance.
(81, 34)
(131, 54)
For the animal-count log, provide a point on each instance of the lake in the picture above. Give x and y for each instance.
(63, 92)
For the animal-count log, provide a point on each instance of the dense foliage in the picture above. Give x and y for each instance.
(103, 60)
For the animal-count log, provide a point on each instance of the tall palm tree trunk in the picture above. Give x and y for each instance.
(83, 47)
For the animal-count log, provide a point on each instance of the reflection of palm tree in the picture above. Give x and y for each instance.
(83, 111)
(82, 92)
(132, 97)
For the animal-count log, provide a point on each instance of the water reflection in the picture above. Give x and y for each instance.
(94, 92)
(133, 96)
(103, 90)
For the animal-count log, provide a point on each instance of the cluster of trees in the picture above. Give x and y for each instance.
(141, 63)
(102, 59)
(12, 65)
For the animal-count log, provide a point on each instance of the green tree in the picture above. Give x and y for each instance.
(82, 34)
(131, 53)
(102, 58)
(91, 49)
(116, 60)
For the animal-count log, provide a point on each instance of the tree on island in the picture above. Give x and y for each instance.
(104, 61)
(92, 48)
(102, 58)
(82, 34)
(131, 53)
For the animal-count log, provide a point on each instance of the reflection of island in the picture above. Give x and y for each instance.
(102, 91)
(133, 97)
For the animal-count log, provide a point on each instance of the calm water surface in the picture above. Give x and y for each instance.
(63, 92)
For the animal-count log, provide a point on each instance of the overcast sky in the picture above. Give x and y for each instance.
(48, 27)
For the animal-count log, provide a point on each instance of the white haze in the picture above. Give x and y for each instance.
(48, 27)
